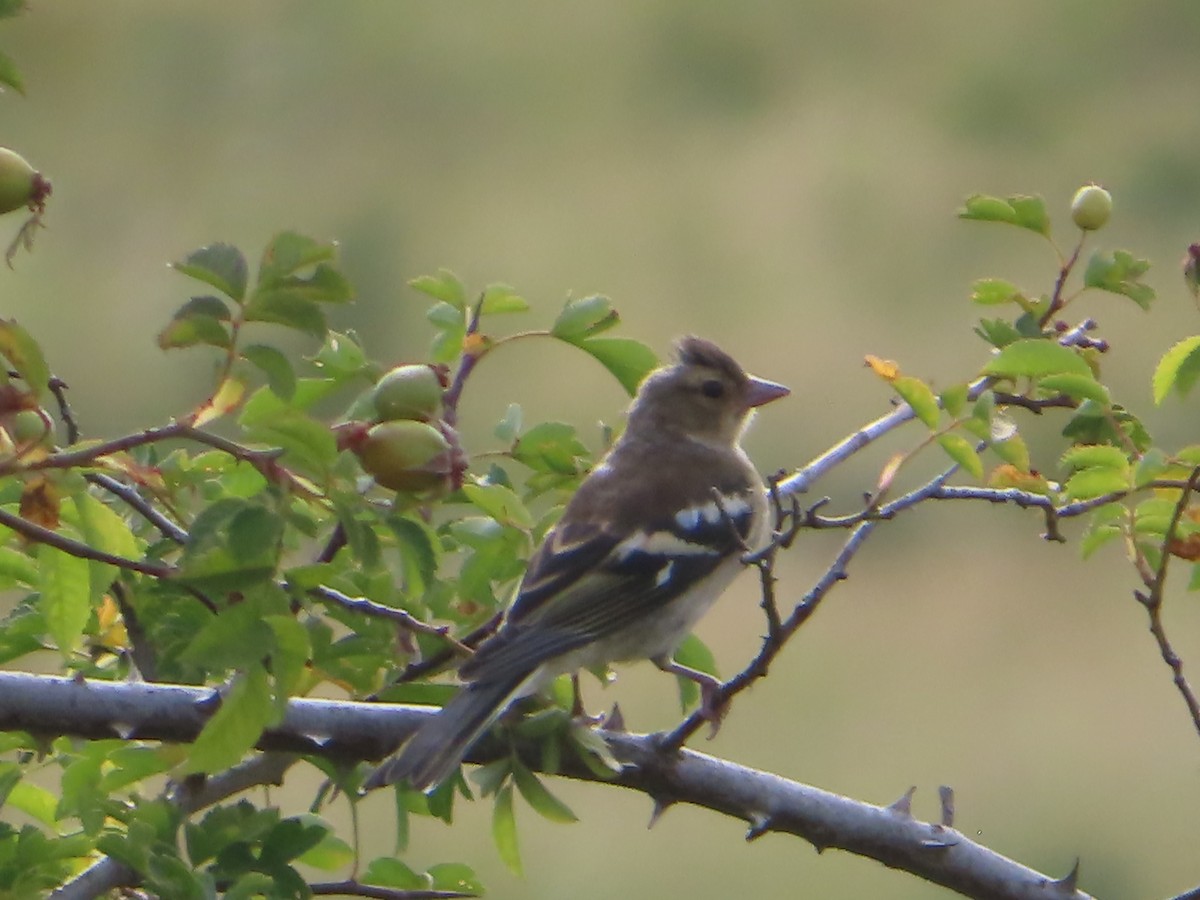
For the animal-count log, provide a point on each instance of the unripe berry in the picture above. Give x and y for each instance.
(406, 456)
(28, 426)
(18, 181)
(408, 392)
(1091, 207)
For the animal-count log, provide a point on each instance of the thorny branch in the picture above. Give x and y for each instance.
(1152, 600)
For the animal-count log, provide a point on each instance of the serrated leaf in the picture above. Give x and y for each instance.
(994, 291)
(920, 397)
(1179, 368)
(199, 321)
(341, 356)
(1096, 537)
(281, 378)
(628, 360)
(959, 449)
(288, 253)
(1096, 456)
(584, 317)
(387, 871)
(1086, 484)
(538, 796)
(504, 830)
(235, 727)
(455, 877)
(1152, 465)
(444, 286)
(1078, 387)
(552, 447)
(501, 298)
(1034, 358)
(997, 332)
(218, 265)
(24, 354)
(1119, 272)
(499, 502)
(1030, 213)
(1019, 209)
(1013, 451)
(330, 852)
(288, 309)
(954, 399)
(65, 602)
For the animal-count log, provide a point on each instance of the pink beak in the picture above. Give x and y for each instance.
(762, 391)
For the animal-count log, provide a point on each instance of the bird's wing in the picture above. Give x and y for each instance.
(587, 581)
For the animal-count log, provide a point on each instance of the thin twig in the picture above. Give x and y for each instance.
(404, 619)
(43, 535)
(1152, 601)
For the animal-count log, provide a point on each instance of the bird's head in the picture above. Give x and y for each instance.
(705, 396)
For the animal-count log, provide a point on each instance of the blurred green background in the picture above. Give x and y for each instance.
(780, 176)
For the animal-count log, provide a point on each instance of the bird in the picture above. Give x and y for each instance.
(651, 538)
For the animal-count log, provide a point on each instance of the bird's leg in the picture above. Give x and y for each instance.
(713, 706)
(577, 711)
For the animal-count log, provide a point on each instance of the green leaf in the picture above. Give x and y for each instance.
(105, 530)
(959, 449)
(1013, 451)
(1034, 358)
(1119, 272)
(584, 317)
(287, 253)
(10, 75)
(1096, 456)
(1030, 213)
(504, 830)
(1152, 465)
(509, 427)
(499, 502)
(954, 399)
(33, 801)
(1093, 424)
(341, 356)
(452, 328)
(1106, 524)
(695, 654)
(199, 321)
(444, 286)
(1077, 387)
(1088, 483)
(552, 447)
(419, 552)
(305, 440)
(219, 265)
(291, 310)
(387, 871)
(324, 284)
(994, 291)
(64, 584)
(628, 360)
(920, 397)
(235, 727)
(290, 655)
(997, 332)
(455, 877)
(538, 796)
(24, 354)
(501, 298)
(237, 636)
(276, 366)
(1179, 368)
(1023, 211)
(213, 560)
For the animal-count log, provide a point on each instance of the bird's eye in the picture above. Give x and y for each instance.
(712, 388)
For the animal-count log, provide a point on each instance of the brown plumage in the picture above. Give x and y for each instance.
(640, 553)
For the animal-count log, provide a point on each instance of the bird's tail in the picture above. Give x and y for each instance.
(439, 745)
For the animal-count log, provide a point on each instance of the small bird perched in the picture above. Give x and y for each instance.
(652, 537)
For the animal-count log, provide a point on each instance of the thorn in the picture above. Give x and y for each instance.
(946, 794)
(615, 721)
(903, 806)
(760, 824)
(1068, 883)
(941, 843)
(660, 806)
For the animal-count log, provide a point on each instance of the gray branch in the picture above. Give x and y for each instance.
(357, 731)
